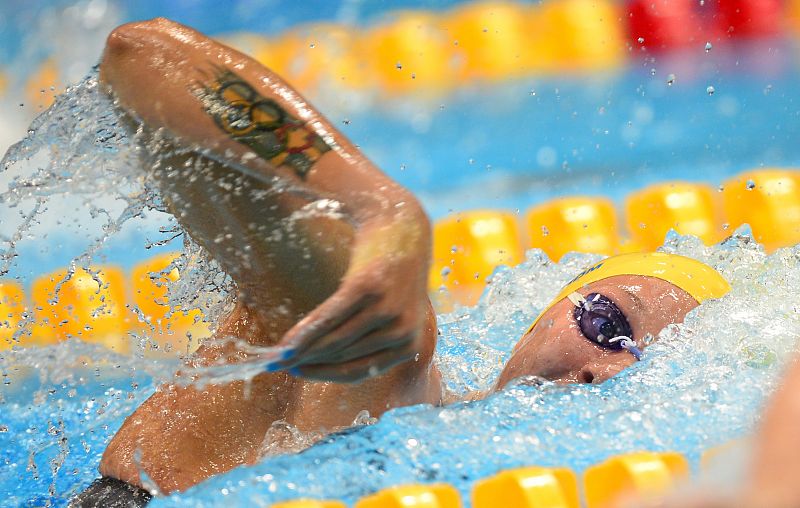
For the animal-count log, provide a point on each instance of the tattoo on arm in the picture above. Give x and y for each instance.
(261, 124)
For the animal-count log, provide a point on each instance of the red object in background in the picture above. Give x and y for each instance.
(749, 18)
(665, 24)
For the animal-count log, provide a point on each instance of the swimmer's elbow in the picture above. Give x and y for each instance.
(127, 39)
(138, 32)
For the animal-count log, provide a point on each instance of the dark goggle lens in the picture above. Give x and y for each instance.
(601, 320)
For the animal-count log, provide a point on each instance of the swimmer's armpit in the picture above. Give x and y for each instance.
(260, 123)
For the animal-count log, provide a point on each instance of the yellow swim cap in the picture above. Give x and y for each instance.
(698, 279)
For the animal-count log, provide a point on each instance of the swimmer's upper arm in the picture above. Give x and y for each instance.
(235, 110)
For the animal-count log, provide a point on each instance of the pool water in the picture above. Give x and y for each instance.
(72, 193)
(701, 384)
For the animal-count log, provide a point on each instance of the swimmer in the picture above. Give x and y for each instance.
(329, 257)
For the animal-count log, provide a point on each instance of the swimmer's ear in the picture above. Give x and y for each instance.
(598, 371)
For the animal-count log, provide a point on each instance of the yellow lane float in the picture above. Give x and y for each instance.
(528, 487)
(468, 246)
(768, 200)
(581, 224)
(410, 53)
(88, 305)
(583, 34)
(309, 503)
(413, 496)
(314, 56)
(493, 40)
(689, 209)
(643, 475)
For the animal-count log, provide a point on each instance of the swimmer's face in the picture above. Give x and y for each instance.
(557, 349)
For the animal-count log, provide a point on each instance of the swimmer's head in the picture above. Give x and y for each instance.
(598, 324)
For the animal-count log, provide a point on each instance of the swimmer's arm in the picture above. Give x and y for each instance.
(175, 79)
(776, 466)
(231, 108)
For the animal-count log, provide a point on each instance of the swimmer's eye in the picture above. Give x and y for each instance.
(600, 321)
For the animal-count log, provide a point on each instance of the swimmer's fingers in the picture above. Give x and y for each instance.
(367, 345)
(356, 370)
(341, 307)
(349, 335)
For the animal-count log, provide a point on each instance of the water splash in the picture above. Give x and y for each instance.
(700, 384)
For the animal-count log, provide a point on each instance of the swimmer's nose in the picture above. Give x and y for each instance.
(599, 371)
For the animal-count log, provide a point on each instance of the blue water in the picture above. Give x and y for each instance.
(508, 145)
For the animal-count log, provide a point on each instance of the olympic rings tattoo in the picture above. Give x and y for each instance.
(261, 124)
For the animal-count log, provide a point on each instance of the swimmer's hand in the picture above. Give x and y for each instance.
(374, 321)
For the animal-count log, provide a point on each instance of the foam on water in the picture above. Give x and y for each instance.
(702, 383)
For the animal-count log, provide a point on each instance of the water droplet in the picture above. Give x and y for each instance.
(3, 428)
(653, 71)
(346, 121)
(312, 45)
(532, 93)
(545, 231)
(398, 66)
(708, 47)
(471, 161)
(640, 40)
(725, 226)
(710, 90)
(750, 185)
(670, 79)
(767, 89)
